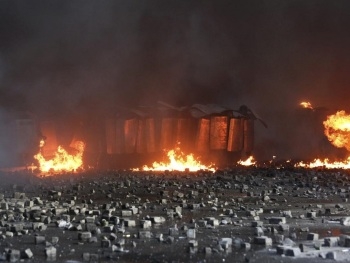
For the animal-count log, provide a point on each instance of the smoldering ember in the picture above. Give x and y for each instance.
(185, 131)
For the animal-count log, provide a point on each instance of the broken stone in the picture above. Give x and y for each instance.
(54, 240)
(105, 243)
(170, 240)
(145, 234)
(39, 240)
(292, 251)
(173, 231)
(212, 221)
(345, 221)
(129, 223)
(193, 243)
(331, 241)
(259, 231)
(283, 227)
(158, 219)
(84, 236)
(27, 253)
(191, 233)
(225, 242)
(9, 234)
(277, 220)
(312, 214)
(331, 255)
(202, 223)
(263, 240)
(146, 223)
(312, 236)
(207, 250)
(86, 256)
(257, 223)
(51, 253)
(13, 255)
(245, 245)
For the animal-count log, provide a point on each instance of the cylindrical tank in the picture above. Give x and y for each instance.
(218, 132)
(111, 136)
(248, 143)
(48, 129)
(185, 133)
(119, 135)
(150, 135)
(167, 134)
(202, 137)
(130, 135)
(235, 135)
(141, 137)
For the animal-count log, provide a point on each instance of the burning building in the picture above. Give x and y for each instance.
(217, 134)
(130, 138)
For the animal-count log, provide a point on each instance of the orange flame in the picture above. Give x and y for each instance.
(306, 105)
(178, 161)
(62, 161)
(249, 162)
(326, 163)
(337, 130)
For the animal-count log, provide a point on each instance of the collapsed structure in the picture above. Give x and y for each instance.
(133, 137)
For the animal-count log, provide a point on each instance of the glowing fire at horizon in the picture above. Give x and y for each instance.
(326, 163)
(306, 105)
(62, 160)
(179, 161)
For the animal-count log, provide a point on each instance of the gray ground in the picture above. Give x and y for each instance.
(92, 214)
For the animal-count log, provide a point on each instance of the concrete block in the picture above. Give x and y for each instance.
(277, 220)
(312, 236)
(263, 240)
(51, 253)
(84, 236)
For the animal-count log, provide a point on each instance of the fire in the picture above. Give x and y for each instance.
(306, 105)
(178, 161)
(337, 129)
(249, 162)
(62, 161)
(326, 163)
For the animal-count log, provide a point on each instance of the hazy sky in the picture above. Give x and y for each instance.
(71, 55)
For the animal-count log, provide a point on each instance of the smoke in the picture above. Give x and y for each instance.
(71, 57)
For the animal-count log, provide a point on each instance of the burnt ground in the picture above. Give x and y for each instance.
(125, 216)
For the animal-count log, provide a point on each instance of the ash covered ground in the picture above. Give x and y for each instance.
(236, 215)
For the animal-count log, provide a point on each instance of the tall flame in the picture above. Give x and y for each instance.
(178, 161)
(62, 161)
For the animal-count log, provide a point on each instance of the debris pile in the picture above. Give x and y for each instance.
(244, 214)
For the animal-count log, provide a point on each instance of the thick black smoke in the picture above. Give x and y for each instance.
(61, 57)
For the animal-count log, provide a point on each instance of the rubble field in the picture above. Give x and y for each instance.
(244, 214)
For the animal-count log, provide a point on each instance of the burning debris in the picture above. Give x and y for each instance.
(62, 160)
(214, 133)
(179, 161)
(337, 131)
(249, 162)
